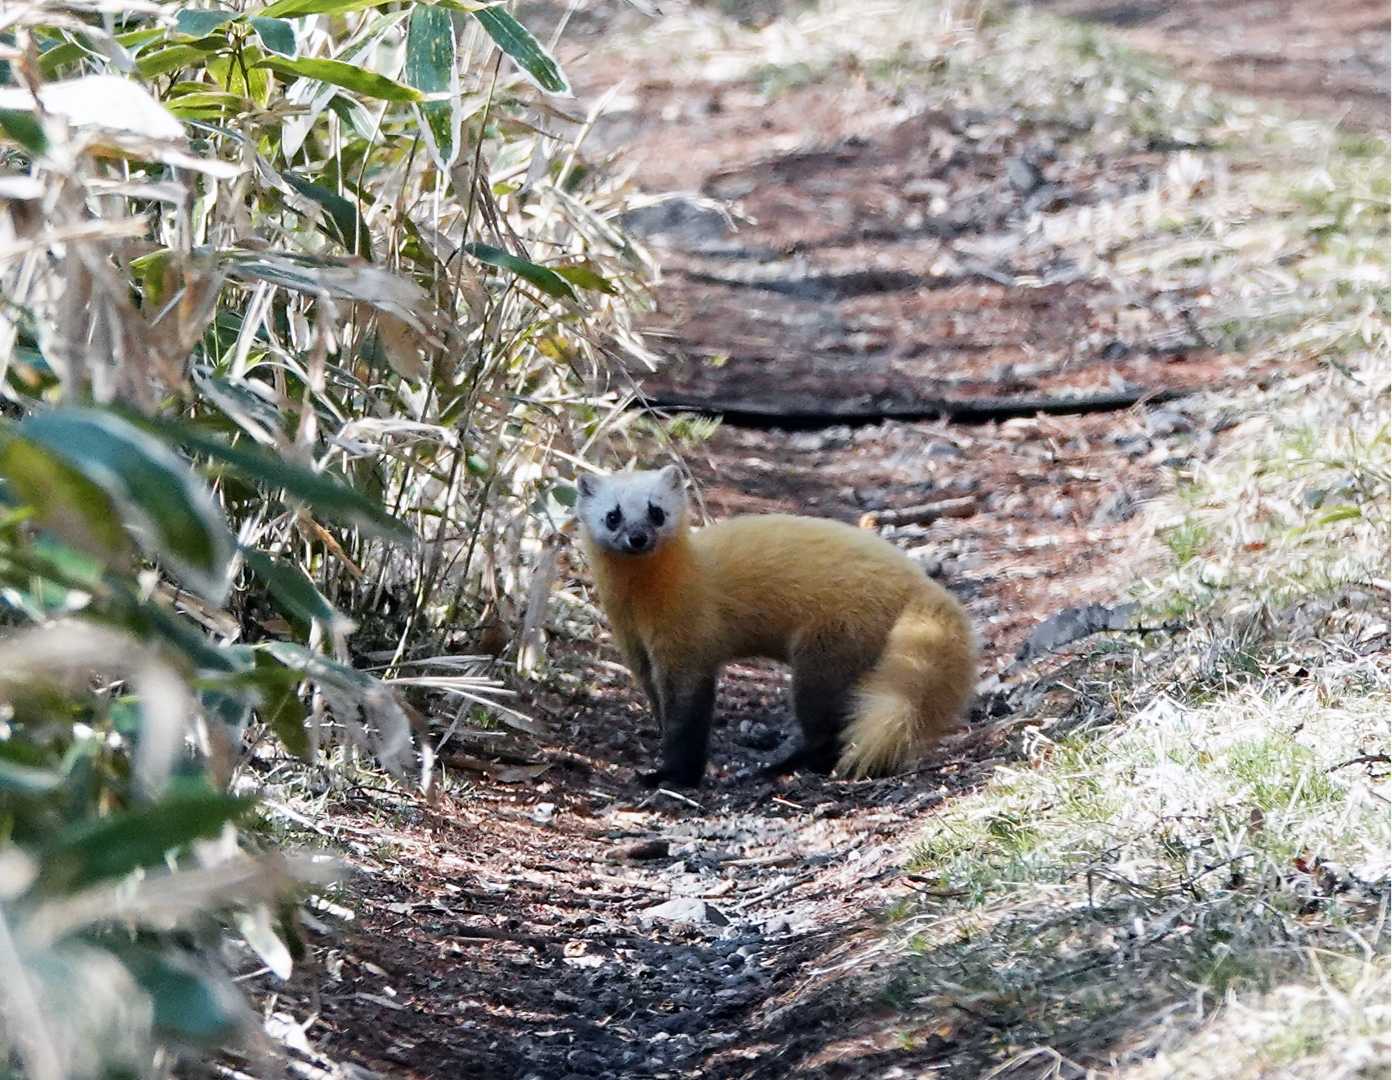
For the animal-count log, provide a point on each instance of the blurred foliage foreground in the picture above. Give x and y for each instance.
(299, 306)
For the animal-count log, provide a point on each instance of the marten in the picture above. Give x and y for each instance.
(883, 658)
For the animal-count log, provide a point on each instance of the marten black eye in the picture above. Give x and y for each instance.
(656, 514)
(613, 519)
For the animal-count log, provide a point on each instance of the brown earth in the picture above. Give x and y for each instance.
(1325, 59)
(883, 264)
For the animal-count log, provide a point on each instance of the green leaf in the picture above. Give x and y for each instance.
(548, 281)
(51, 578)
(326, 494)
(76, 569)
(25, 129)
(232, 711)
(291, 587)
(242, 76)
(347, 224)
(65, 500)
(190, 1004)
(517, 41)
(348, 76)
(319, 667)
(290, 9)
(92, 851)
(208, 105)
(57, 56)
(431, 60)
(30, 780)
(1347, 512)
(199, 22)
(147, 619)
(276, 34)
(155, 492)
(586, 278)
(135, 40)
(281, 709)
(172, 57)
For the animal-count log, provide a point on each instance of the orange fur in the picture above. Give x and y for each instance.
(805, 591)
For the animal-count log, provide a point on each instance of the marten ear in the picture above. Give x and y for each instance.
(672, 478)
(587, 484)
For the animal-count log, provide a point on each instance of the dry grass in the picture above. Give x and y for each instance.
(1186, 871)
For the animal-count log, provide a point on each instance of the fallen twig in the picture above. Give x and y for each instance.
(921, 513)
(1362, 759)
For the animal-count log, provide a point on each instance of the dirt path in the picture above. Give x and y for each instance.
(555, 921)
(1324, 59)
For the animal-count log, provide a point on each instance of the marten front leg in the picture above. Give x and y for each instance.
(642, 667)
(686, 703)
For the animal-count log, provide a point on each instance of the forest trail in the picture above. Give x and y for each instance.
(556, 921)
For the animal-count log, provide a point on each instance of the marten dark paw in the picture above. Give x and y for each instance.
(670, 778)
(817, 759)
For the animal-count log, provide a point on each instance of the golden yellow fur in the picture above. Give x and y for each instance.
(838, 603)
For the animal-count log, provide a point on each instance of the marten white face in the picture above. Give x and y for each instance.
(633, 513)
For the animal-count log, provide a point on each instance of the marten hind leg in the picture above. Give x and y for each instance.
(822, 705)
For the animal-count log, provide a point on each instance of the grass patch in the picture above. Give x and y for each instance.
(1105, 895)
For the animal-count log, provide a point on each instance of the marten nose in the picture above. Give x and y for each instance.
(638, 540)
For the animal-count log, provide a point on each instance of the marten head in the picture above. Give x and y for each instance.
(633, 513)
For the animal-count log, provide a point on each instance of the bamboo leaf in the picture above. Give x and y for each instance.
(17, 778)
(200, 22)
(290, 9)
(431, 67)
(276, 34)
(111, 847)
(321, 275)
(281, 709)
(172, 57)
(345, 219)
(586, 277)
(241, 75)
(348, 76)
(190, 1004)
(24, 128)
(548, 281)
(517, 41)
(294, 591)
(154, 492)
(328, 495)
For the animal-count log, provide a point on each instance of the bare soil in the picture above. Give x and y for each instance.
(881, 266)
(1323, 59)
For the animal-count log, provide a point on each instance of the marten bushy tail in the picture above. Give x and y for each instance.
(917, 691)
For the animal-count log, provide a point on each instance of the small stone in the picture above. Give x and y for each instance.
(928, 560)
(1023, 174)
(543, 813)
(1167, 422)
(585, 1061)
(1117, 507)
(1131, 445)
(687, 909)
